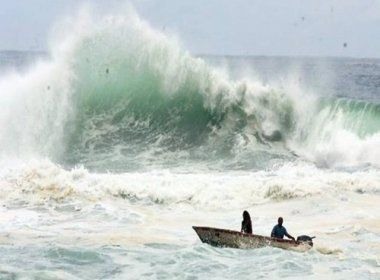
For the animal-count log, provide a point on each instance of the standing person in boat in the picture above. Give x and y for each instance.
(279, 231)
(246, 224)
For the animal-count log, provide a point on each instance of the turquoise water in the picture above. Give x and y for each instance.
(117, 141)
(162, 261)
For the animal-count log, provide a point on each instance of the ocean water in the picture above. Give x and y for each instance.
(117, 140)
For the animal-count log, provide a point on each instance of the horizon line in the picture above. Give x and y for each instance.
(231, 55)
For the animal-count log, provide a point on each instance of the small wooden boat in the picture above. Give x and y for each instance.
(235, 239)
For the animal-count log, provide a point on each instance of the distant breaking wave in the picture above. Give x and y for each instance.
(118, 95)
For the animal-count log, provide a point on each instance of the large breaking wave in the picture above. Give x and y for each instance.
(118, 95)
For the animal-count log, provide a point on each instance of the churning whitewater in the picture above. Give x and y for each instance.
(117, 141)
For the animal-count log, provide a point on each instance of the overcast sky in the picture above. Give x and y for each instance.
(236, 27)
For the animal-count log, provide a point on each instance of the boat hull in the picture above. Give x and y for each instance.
(235, 239)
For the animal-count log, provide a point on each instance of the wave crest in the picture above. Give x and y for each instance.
(118, 95)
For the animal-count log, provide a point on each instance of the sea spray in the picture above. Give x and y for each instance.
(120, 141)
(118, 95)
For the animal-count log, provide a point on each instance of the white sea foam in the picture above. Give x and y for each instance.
(40, 183)
(142, 216)
(80, 99)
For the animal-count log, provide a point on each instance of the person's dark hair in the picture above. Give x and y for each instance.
(280, 221)
(246, 216)
(246, 225)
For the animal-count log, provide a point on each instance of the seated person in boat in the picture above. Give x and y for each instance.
(279, 231)
(246, 224)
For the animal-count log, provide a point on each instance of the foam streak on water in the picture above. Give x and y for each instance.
(118, 141)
